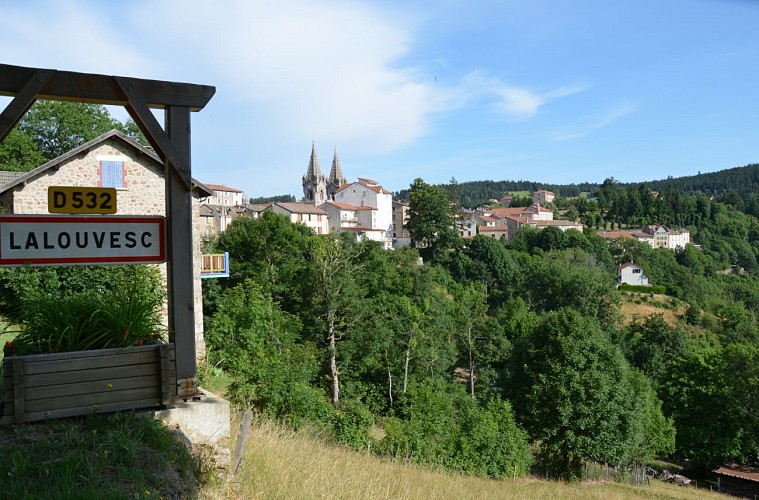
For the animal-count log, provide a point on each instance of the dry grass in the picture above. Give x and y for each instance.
(279, 463)
(630, 310)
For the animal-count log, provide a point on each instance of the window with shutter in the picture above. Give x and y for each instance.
(112, 174)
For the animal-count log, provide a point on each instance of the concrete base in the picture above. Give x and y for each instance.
(203, 422)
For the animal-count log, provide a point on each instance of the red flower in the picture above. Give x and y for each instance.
(9, 345)
(139, 342)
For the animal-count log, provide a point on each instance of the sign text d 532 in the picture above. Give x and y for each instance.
(81, 200)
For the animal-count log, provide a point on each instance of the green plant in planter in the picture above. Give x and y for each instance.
(86, 321)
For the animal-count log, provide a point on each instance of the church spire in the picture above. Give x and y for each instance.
(336, 174)
(313, 165)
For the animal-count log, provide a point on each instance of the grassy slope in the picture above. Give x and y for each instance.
(282, 464)
(641, 305)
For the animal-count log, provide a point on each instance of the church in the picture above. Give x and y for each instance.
(363, 208)
(316, 187)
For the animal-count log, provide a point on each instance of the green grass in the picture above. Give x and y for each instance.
(116, 456)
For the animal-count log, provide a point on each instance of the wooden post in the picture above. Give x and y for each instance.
(181, 296)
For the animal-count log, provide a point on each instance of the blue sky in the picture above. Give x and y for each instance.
(544, 90)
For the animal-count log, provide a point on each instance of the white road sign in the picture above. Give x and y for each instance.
(45, 240)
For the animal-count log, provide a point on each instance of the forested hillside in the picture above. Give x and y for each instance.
(492, 357)
(735, 186)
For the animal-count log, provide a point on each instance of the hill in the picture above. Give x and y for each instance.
(734, 185)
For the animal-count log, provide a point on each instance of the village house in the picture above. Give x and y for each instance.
(506, 221)
(542, 197)
(400, 217)
(630, 273)
(221, 208)
(497, 232)
(224, 196)
(373, 206)
(654, 235)
(116, 161)
(303, 213)
(467, 228)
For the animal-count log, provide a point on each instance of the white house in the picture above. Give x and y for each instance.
(631, 274)
(467, 228)
(368, 193)
(224, 196)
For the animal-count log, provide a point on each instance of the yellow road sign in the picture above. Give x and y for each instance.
(81, 200)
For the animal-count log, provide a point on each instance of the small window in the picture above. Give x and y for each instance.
(112, 174)
(636, 271)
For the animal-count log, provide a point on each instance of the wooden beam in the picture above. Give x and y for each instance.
(181, 296)
(140, 113)
(24, 99)
(103, 89)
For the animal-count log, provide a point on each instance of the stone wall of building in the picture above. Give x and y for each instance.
(143, 194)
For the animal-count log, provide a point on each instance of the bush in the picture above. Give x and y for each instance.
(441, 424)
(352, 424)
(655, 289)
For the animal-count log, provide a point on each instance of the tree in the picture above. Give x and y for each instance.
(58, 126)
(52, 128)
(471, 326)
(19, 153)
(654, 344)
(255, 342)
(713, 396)
(272, 251)
(572, 391)
(335, 263)
(429, 218)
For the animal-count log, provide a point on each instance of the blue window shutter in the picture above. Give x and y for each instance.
(112, 174)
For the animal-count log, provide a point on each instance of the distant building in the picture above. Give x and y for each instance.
(368, 194)
(363, 208)
(400, 217)
(303, 213)
(654, 235)
(542, 196)
(224, 196)
(467, 228)
(316, 187)
(497, 232)
(631, 274)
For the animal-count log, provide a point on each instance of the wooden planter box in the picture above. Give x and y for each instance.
(46, 386)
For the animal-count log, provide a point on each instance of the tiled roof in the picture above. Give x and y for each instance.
(258, 207)
(6, 176)
(301, 208)
(740, 471)
(569, 223)
(493, 229)
(340, 205)
(375, 188)
(628, 264)
(222, 187)
(616, 234)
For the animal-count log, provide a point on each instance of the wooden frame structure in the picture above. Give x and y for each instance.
(171, 143)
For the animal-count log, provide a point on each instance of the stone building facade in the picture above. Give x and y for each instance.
(109, 159)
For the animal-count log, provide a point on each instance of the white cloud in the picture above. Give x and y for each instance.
(596, 122)
(517, 103)
(69, 36)
(327, 71)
